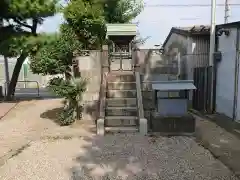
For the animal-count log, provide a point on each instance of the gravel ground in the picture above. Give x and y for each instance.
(115, 157)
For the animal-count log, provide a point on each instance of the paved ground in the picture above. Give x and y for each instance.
(5, 108)
(47, 151)
(28, 121)
(224, 145)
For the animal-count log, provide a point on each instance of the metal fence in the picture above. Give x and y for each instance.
(25, 75)
(28, 84)
(195, 67)
(202, 95)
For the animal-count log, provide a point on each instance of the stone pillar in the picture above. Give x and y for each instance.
(105, 69)
(135, 59)
(143, 126)
(105, 59)
(100, 127)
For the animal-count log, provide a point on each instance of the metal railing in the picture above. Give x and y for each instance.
(37, 87)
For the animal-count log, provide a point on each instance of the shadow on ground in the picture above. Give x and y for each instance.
(52, 114)
(104, 158)
(135, 157)
(90, 111)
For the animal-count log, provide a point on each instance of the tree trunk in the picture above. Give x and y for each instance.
(18, 66)
(15, 75)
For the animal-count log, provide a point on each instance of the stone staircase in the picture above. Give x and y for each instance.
(121, 103)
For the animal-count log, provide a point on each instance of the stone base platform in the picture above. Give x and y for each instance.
(173, 125)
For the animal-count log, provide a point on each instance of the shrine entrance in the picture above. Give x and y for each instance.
(120, 55)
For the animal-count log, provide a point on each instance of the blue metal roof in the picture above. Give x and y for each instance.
(173, 85)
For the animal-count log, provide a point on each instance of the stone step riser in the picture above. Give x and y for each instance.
(122, 103)
(120, 122)
(121, 78)
(117, 112)
(121, 94)
(125, 66)
(121, 130)
(121, 86)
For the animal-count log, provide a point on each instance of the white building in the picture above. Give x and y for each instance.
(227, 70)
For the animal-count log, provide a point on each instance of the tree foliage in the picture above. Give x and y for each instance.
(21, 10)
(84, 28)
(55, 56)
(21, 19)
(18, 31)
(87, 20)
(121, 11)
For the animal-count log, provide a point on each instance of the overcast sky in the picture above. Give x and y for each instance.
(156, 22)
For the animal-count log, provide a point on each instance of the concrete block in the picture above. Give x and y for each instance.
(100, 127)
(143, 126)
(173, 124)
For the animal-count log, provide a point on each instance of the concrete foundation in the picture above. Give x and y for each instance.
(174, 125)
(100, 127)
(143, 126)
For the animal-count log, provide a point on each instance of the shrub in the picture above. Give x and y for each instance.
(71, 91)
(66, 117)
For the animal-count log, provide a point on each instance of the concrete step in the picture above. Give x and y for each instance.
(121, 129)
(121, 102)
(121, 111)
(121, 77)
(121, 121)
(123, 64)
(122, 73)
(121, 93)
(121, 85)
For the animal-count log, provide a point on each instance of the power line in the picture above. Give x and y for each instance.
(186, 5)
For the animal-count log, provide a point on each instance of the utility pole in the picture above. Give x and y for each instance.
(227, 11)
(212, 47)
(212, 32)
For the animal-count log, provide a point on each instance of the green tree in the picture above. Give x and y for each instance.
(86, 19)
(56, 54)
(121, 11)
(19, 37)
(84, 28)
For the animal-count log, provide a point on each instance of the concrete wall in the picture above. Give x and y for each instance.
(159, 67)
(194, 52)
(226, 75)
(151, 63)
(152, 68)
(90, 68)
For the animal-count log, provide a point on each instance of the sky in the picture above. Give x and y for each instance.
(156, 22)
